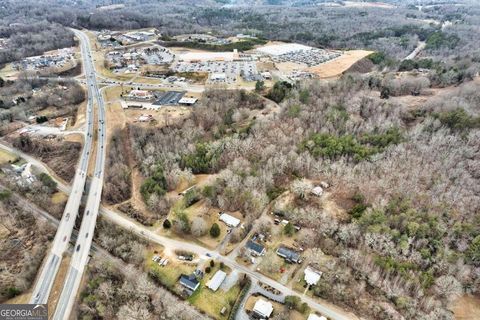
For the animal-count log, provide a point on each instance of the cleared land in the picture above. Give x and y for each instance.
(339, 65)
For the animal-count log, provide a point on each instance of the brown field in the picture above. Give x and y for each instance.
(467, 307)
(336, 67)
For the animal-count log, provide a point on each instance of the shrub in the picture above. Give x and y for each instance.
(167, 224)
(215, 230)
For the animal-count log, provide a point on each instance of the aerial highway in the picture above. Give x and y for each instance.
(85, 235)
(60, 243)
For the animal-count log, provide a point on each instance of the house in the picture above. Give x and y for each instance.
(216, 280)
(317, 191)
(255, 248)
(313, 316)
(289, 255)
(312, 276)
(189, 281)
(229, 220)
(262, 309)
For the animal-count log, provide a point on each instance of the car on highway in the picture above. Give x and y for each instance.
(78, 248)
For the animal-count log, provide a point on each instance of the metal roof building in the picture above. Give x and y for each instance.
(289, 255)
(216, 280)
(263, 308)
(312, 276)
(189, 281)
(255, 248)
(229, 220)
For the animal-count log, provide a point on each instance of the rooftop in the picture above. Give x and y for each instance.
(216, 280)
(263, 308)
(254, 246)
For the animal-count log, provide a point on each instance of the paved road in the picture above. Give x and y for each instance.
(51, 265)
(85, 235)
(172, 244)
(140, 230)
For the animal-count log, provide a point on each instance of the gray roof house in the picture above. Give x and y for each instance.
(289, 255)
(255, 248)
(189, 281)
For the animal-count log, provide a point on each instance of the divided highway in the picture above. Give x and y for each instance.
(87, 228)
(44, 284)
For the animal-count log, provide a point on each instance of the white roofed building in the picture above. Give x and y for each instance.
(313, 316)
(229, 220)
(187, 101)
(263, 308)
(216, 280)
(312, 276)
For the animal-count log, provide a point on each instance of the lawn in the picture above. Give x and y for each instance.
(213, 302)
(59, 197)
(169, 274)
(7, 157)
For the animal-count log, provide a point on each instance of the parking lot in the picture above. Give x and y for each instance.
(169, 98)
(310, 57)
(231, 69)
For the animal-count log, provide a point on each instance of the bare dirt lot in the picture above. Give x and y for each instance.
(336, 67)
(467, 308)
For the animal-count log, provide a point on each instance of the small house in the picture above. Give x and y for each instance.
(289, 255)
(312, 276)
(262, 309)
(216, 280)
(229, 220)
(255, 248)
(189, 281)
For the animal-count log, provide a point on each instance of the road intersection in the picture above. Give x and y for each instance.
(93, 208)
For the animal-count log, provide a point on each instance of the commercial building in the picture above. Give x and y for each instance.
(186, 101)
(216, 280)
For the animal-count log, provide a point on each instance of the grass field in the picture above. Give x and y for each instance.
(213, 302)
(169, 274)
(7, 157)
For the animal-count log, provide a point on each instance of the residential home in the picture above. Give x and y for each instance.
(289, 255)
(189, 281)
(255, 248)
(262, 309)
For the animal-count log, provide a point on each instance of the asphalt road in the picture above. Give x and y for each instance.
(50, 268)
(85, 235)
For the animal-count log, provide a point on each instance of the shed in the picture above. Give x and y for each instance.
(318, 191)
(216, 280)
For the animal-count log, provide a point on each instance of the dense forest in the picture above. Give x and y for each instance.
(406, 176)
